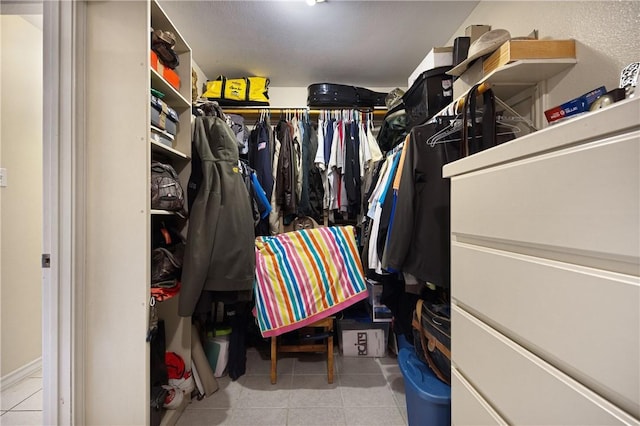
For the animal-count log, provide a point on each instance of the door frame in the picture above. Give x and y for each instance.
(64, 214)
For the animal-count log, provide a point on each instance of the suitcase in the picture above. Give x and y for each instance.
(430, 93)
(341, 95)
(163, 116)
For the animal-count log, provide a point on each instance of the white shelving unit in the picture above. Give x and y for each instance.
(177, 329)
(118, 152)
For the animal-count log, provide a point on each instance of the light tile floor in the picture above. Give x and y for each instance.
(365, 391)
(21, 404)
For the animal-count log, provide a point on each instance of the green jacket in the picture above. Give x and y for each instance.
(219, 253)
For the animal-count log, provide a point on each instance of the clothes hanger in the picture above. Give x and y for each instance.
(515, 113)
(500, 121)
(455, 125)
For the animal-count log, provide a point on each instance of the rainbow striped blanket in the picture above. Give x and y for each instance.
(305, 276)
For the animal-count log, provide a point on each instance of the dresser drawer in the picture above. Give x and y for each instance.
(583, 199)
(523, 388)
(468, 407)
(586, 322)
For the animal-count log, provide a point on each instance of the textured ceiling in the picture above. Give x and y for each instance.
(364, 43)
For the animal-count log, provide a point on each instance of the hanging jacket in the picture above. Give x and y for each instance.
(316, 189)
(286, 179)
(351, 167)
(304, 208)
(260, 156)
(420, 241)
(219, 253)
(274, 216)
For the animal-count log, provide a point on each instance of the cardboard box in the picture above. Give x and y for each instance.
(168, 74)
(353, 344)
(575, 106)
(475, 31)
(437, 57)
(514, 50)
(364, 343)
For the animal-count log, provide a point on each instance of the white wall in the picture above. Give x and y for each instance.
(21, 200)
(606, 34)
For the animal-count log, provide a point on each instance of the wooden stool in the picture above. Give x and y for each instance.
(326, 325)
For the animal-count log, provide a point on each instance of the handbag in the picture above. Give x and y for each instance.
(166, 262)
(238, 91)
(166, 191)
(431, 325)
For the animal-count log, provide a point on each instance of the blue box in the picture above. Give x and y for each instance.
(428, 398)
(574, 106)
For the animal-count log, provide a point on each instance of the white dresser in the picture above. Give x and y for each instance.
(545, 259)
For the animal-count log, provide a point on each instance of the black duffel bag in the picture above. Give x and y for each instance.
(429, 93)
(432, 337)
(341, 95)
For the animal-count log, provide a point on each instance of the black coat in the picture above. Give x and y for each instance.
(419, 242)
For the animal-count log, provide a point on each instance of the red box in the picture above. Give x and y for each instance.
(168, 74)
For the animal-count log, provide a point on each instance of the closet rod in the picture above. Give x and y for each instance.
(455, 107)
(280, 110)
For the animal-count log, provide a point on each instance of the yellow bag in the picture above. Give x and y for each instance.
(238, 91)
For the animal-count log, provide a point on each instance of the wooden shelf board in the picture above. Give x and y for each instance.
(172, 97)
(167, 150)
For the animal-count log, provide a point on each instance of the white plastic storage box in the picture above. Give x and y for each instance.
(379, 311)
(217, 350)
(363, 338)
(437, 57)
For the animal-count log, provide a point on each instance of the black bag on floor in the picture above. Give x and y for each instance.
(432, 337)
(158, 375)
(340, 95)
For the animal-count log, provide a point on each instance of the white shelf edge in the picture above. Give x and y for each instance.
(524, 62)
(163, 212)
(169, 91)
(168, 150)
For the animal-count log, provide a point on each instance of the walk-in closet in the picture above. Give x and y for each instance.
(324, 212)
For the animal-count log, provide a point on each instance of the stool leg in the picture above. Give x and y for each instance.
(330, 359)
(274, 359)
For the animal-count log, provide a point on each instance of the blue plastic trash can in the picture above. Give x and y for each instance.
(428, 398)
(403, 342)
